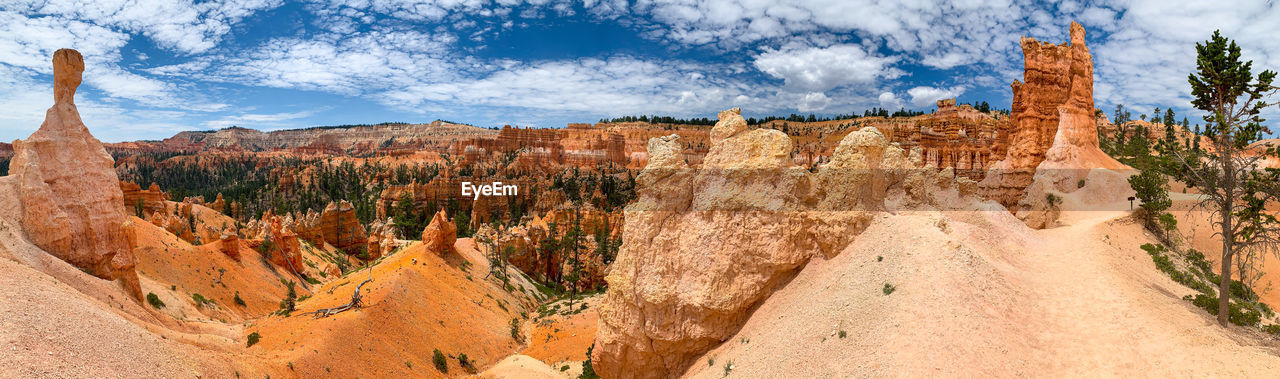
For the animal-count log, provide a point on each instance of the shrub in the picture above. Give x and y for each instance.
(253, 339)
(438, 359)
(843, 334)
(589, 371)
(515, 329)
(238, 300)
(1241, 314)
(201, 300)
(889, 288)
(290, 301)
(465, 362)
(1273, 329)
(266, 247)
(1080, 183)
(1052, 200)
(154, 301)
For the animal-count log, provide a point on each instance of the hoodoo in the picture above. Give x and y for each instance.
(70, 194)
(1058, 90)
(1053, 144)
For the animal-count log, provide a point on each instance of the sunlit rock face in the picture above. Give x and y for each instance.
(71, 196)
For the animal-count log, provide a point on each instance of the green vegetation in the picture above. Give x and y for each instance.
(154, 301)
(201, 300)
(439, 360)
(466, 363)
(589, 371)
(238, 300)
(252, 340)
(290, 301)
(515, 329)
(889, 288)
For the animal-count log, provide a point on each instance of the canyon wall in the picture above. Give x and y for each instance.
(705, 244)
(70, 194)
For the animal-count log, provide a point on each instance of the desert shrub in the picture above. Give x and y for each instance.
(1242, 314)
(1165, 265)
(408, 364)
(1272, 329)
(438, 359)
(589, 371)
(1053, 200)
(266, 247)
(252, 340)
(154, 301)
(843, 334)
(238, 300)
(201, 300)
(466, 363)
(515, 329)
(889, 288)
(313, 281)
(1080, 183)
(290, 301)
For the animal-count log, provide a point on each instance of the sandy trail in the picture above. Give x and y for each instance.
(978, 294)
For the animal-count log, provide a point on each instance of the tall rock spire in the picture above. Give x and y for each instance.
(71, 197)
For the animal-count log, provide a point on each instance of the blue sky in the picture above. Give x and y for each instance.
(163, 66)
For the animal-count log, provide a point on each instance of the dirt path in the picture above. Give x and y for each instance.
(977, 294)
(1109, 309)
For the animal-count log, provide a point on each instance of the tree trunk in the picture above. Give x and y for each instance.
(1228, 239)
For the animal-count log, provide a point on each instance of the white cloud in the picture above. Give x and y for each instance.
(1144, 62)
(926, 96)
(257, 120)
(183, 25)
(621, 84)
(823, 68)
(889, 101)
(813, 102)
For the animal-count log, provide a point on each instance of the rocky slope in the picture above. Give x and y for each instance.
(704, 245)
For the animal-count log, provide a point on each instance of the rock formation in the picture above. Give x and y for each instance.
(1053, 145)
(340, 228)
(703, 245)
(440, 235)
(229, 244)
(151, 199)
(70, 193)
(1055, 103)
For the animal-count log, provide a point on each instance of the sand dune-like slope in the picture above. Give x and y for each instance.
(416, 303)
(1196, 228)
(175, 270)
(978, 294)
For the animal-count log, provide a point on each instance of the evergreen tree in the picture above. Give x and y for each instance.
(1235, 190)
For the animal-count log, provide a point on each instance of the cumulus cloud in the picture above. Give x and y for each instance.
(819, 69)
(926, 96)
(813, 102)
(889, 101)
